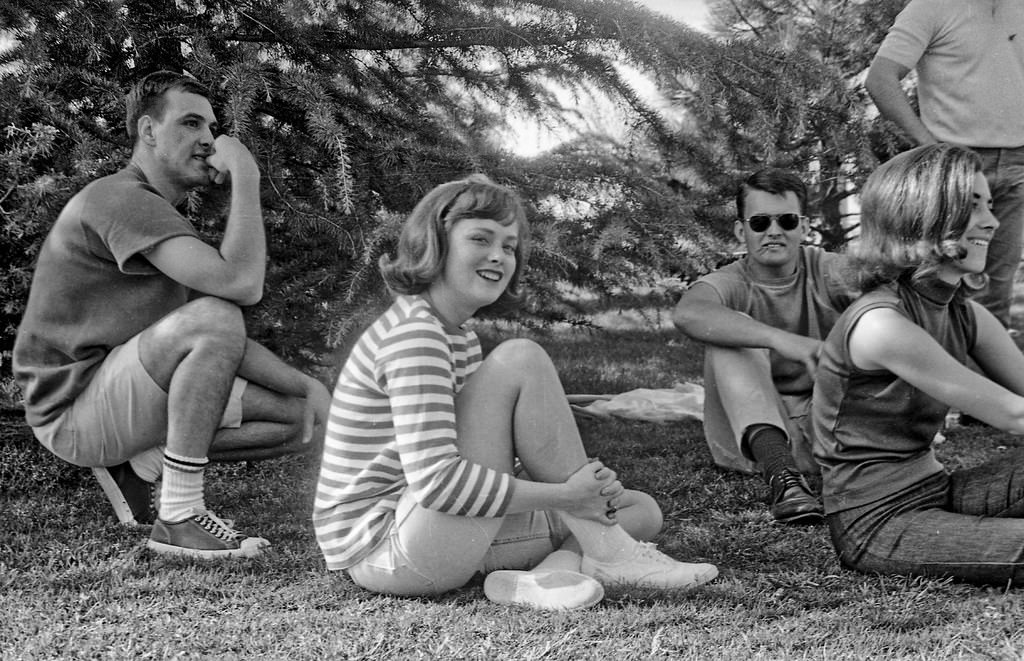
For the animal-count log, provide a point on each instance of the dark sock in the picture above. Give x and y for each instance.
(770, 449)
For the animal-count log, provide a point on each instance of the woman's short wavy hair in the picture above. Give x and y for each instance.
(423, 243)
(915, 207)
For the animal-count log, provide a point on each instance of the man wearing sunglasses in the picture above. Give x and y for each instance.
(762, 320)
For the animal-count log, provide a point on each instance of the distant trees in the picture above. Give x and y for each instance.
(355, 109)
(782, 85)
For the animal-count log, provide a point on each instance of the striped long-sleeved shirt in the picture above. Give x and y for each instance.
(392, 428)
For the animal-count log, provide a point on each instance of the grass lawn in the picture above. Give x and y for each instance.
(74, 584)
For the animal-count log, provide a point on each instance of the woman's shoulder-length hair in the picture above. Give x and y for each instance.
(423, 242)
(915, 207)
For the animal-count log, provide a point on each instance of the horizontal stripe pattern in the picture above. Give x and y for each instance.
(391, 428)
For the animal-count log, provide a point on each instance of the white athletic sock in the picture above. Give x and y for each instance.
(181, 493)
(149, 465)
(600, 542)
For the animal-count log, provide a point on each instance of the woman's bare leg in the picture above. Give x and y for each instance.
(514, 406)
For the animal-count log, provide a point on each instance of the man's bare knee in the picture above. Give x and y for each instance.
(208, 325)
(203, 319)
(212, 314)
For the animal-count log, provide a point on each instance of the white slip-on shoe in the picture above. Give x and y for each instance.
(546, 589)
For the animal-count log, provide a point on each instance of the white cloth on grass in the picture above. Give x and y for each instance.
(681, 402)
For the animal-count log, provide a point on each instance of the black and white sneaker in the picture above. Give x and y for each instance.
(204, 535)
(134, 500)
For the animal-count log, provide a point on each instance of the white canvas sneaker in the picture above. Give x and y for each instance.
(648, 567)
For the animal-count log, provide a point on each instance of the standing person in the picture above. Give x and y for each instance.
(762, 320)
(132, 354)
(969, 57)
(439, 463)
(893, 365)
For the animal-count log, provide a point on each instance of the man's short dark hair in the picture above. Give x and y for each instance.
(774, 181)
(147, 97)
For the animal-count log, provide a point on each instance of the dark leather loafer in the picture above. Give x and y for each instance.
(792, 500)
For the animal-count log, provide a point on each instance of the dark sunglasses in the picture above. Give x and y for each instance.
(762, 221)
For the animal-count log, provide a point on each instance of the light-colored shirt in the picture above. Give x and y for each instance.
(392, 428)
(969, 57)
(805, 303)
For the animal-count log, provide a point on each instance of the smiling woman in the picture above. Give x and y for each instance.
(481, 260)
(896, 362)
(440, 463)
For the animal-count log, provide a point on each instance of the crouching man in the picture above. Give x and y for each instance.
(132, 354)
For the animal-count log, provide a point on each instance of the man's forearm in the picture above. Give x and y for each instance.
(883, 84)
(262, 367)
(244, 243)
(725, 327)
(899, 112)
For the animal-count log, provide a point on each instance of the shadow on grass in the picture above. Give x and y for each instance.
(73, 583)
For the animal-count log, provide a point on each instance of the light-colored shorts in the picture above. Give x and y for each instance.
(430, 552)
(120, 414)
